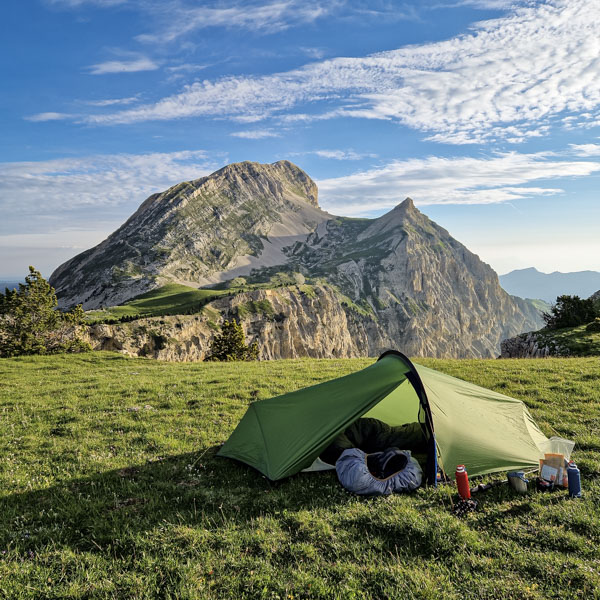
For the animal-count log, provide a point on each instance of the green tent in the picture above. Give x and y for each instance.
(462, 423)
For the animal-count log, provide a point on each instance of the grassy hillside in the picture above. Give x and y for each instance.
(578, 340)
(177, 299)
(172, 298)
(109, 488)
(541, 305)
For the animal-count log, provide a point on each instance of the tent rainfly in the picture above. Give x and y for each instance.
(461, 422)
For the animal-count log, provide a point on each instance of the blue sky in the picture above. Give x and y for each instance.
(485, 112)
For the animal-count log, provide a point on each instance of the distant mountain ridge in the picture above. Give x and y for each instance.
(531, 283)
(401, 280)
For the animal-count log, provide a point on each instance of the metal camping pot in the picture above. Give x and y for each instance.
(518, 482)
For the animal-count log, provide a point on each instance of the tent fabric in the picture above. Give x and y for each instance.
(283, 435)
(474, 426)
(479, 428)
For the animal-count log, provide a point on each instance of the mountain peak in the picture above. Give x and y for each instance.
(239, 217)
(404, 209)
(403, 213)
(282, 173)
(407, 204)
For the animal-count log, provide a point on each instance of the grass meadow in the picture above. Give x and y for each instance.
(170, 299)
(109, 488)
(577, 340)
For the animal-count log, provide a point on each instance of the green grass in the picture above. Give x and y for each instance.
(172, 298)
(577, 340)
(109, 488)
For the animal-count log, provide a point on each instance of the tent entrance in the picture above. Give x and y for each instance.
(398, 420)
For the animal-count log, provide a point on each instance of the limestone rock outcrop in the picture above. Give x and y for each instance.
(287, 322)
(531, 345)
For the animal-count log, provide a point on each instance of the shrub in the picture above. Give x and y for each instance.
(230, 344)
(570, 311)
(594, 325)
(30, 323)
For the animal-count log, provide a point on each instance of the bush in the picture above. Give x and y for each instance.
(570, 311)
(230, 344)
(30, 323)
(594, 326)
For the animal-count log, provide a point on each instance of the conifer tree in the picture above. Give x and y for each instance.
(230, 344)
(570, 311)
(31, 324)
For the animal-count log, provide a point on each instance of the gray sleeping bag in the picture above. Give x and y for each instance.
(354, 474)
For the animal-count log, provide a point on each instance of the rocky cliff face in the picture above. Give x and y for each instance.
(398, 281)
(429, 294)
(287, 322)
(531, 345)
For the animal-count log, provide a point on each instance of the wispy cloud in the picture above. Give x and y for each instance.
(76, 3)
(391, 12)
(186, 68)
(255, 134)
(267, 17)
(37, 196)
(133, 65)
(337, 154)
(112, 101)
(520, 71)
(48, 116)
(585, 149)
(174, 19)
(311, 52)
(436, 180)
(483, 4)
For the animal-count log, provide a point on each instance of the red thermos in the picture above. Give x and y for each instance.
(462, 482)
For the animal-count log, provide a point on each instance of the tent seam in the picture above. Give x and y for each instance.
(262, 433)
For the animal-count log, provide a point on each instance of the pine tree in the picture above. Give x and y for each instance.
(570, 311)
(230, 344)
(30, 323)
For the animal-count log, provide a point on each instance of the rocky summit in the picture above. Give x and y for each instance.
(197, 233)
(398, 281)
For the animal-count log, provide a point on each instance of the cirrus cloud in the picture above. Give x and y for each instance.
(134, 65)
(48, 116)
(255, 134)
(507, 79)
(267, 17)
(81, 190)
(438, 180)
